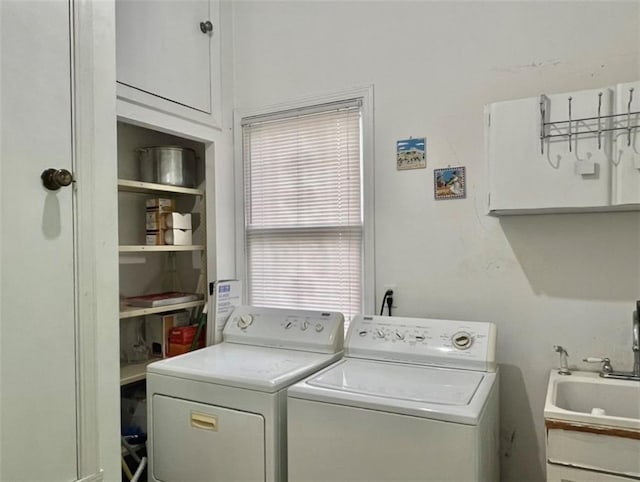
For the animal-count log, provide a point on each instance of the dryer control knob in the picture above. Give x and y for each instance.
(245, 321)
(304, 325)
(462, 340)
(380, 334)
(319, 327)
(399, 336)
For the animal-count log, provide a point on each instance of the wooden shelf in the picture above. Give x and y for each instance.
(140, 187)
(133, 311)
(134, 372)
(135, 248)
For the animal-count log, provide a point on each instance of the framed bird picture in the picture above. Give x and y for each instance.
(449, 183)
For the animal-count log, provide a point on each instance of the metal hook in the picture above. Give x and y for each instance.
(570, 99)
(599, 126)
(629, 116)
(542, 116)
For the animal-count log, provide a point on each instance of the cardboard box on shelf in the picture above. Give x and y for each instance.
(154, 238)
(183, 334)
(162, 205)
(158, 328)
(176, 349)
(181, 339)
(156, 221)
(178, 237)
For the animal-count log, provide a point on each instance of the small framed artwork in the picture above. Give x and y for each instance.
(449, 183)
(411, 154)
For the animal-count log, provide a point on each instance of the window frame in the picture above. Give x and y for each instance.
(365, 95)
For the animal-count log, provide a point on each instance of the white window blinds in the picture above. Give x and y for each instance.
(303, 209)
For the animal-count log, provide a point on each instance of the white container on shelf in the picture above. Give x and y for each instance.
(178, 237)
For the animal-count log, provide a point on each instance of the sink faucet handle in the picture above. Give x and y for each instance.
(606, 363)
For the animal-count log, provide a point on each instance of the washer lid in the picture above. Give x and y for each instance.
(428, 392)
(402, 382)
(244, 366)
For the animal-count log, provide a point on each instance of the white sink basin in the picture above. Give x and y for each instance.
(593, 424)
(585, 397)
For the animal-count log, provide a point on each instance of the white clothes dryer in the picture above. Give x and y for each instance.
(412, 400)
(219, 413)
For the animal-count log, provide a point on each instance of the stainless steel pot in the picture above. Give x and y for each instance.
(168, 165)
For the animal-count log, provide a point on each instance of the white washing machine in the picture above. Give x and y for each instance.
(219, 413)
(413, 400)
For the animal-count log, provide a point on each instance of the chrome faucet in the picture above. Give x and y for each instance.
(607, 369)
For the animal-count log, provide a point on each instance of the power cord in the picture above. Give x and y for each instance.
(388, 298)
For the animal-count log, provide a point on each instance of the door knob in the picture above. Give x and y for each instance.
(206, 27)
(54, 179)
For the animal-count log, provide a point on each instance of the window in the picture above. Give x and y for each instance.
(304, 222)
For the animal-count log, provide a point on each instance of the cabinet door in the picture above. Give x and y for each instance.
(626, 152)
(161, 50)
(524, 179)
(37, 311)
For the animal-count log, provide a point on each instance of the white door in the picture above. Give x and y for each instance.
(161, 49)
(37, 324)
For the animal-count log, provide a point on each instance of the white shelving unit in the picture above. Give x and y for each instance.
(155, 269)
(134, 311)
(139, 248)
(134, 372)
(128, 185)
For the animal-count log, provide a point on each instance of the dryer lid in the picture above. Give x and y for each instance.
(244, 366)
(402, 382)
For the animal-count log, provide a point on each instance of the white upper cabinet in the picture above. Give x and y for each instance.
(626, 155)
(168, 57)
(558, 153)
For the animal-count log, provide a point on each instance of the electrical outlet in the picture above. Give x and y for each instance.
(395, 294)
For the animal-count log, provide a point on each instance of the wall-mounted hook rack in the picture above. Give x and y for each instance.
(599, 120)
(576, 127)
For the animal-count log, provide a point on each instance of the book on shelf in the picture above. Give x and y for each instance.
(162, 299)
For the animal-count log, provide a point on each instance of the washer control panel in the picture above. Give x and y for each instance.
(446, 343)
(280, 328)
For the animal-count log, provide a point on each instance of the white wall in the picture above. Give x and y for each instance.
(545, 280)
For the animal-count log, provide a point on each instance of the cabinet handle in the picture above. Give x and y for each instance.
(206, 27)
